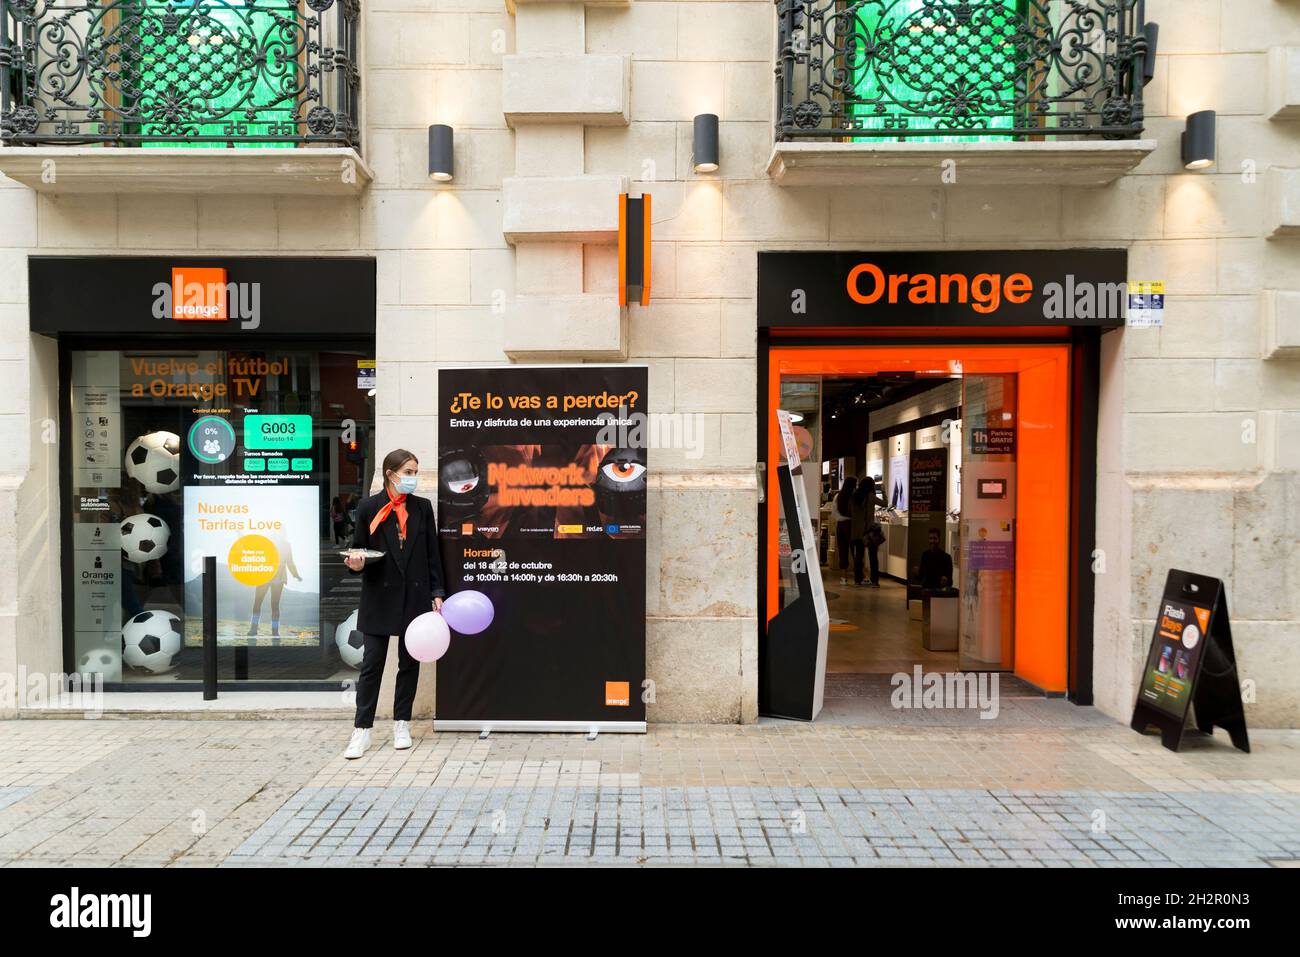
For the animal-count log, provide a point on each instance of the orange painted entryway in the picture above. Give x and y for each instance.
(1042, 473)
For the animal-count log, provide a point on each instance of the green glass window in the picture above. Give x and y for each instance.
(945, 65)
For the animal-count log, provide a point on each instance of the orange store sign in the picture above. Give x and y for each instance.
(943, 288)
(199, 293)
(868, 284)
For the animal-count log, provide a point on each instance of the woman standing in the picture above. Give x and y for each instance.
(395, 589)
(867, 529)
(842, 516)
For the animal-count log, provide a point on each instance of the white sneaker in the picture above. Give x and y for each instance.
(401, 735)
(358, 744)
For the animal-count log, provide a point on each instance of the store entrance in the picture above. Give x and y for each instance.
(938, 482)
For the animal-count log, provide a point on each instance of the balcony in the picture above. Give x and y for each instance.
(221, 96)
(887, 92)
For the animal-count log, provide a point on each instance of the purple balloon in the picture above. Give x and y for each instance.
(427, 637)
(468, 612)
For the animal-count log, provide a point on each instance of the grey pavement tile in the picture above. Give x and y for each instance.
(929, 829)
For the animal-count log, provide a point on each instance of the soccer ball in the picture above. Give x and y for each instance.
(154, 460)
(99, 661)
(144, 537)
(151, 641)
(349, 641)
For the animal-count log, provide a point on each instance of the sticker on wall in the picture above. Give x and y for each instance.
(1146, 305)
(366, 374)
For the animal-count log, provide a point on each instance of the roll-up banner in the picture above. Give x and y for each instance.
(542, 477)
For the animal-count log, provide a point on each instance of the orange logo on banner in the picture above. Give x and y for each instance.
(198, 293)
(467, 528)
(618, 694)
(1202, 616)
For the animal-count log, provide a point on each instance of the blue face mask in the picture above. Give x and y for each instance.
(406, 484)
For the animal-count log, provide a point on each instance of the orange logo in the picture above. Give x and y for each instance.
(1202, 616)
(618, 694)
(467, 528)
(198, 293)
(867, 284)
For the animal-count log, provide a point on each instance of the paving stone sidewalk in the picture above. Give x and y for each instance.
(1076, 792)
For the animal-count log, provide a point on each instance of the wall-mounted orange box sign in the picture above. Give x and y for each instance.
(199, 293)
(634, 249)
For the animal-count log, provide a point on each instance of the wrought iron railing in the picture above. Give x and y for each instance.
(944, 70)
(179, 72)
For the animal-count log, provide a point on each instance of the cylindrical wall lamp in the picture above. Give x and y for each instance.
(706, 143)
(441, 154)
(1198, 140)
(1152, 33)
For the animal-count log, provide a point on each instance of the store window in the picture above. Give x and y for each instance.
(255, 456)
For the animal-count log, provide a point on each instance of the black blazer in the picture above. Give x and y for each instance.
(402, 585)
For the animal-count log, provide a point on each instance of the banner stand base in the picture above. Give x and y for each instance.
(571, 727)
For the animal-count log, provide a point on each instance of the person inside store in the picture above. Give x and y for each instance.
(842, 517)
(336, 519)
(866, 500)
(935, 569)
(396, 587)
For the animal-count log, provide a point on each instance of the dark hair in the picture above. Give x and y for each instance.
(845, 494)
(866, 489)
(394, 460)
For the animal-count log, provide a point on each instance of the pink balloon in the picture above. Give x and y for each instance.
(428, 637)
(468, 612)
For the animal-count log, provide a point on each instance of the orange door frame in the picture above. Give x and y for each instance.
(1042, 474)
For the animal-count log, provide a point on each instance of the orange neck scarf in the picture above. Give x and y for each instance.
(395, 503)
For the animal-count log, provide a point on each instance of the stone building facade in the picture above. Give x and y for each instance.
(557, 108)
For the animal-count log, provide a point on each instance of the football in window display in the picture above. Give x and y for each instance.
(151, 641)
(349, 641)
(144, 537)
(154, 460)
(99, 661)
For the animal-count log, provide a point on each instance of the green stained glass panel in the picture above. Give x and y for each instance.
(213, 68)
(922, 64)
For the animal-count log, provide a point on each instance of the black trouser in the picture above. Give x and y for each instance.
(843, 530)
(873, 555)
(858, 546)
(372, 672)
